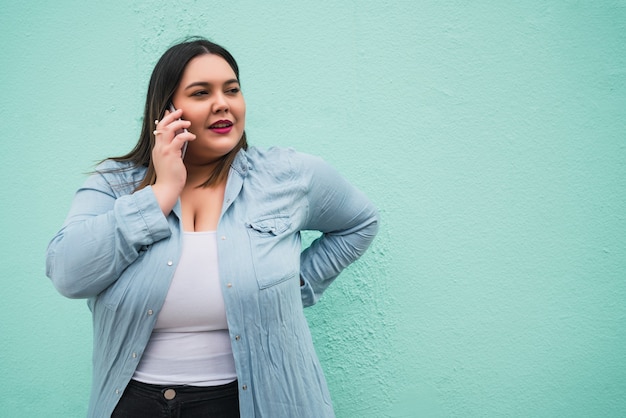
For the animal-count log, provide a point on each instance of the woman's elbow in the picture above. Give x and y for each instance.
(65, 283)
(373, 224)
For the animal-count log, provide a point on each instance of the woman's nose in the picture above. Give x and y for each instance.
(220, 103)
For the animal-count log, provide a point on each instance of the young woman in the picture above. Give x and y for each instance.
(188, 250)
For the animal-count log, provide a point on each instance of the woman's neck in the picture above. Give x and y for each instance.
(198, 174)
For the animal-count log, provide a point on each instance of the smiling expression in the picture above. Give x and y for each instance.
(210, 97)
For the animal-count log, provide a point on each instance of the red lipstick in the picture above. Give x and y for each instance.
(221, 126)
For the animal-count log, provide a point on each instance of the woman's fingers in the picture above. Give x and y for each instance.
(169, 117)
(172, 131)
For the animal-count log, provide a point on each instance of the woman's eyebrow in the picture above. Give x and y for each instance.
(207, 84)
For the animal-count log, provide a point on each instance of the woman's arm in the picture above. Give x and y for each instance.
(348, 221)
(102, 235)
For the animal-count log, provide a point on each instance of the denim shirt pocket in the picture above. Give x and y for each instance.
(275, 249)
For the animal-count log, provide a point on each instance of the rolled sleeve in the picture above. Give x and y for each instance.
(104, 232)
(348, 221)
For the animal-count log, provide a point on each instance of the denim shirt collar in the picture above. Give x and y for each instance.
(241, 166)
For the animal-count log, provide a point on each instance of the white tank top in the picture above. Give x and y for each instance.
(190, 344)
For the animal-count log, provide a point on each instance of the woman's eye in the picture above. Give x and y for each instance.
(200, 93)
(234, 90)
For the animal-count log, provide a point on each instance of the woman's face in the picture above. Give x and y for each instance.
(210, 97)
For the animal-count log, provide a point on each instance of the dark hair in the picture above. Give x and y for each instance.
(164, 81)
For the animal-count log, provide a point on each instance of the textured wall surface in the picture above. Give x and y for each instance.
(492, 137)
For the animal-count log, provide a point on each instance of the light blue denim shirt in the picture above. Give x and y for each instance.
(117, 249)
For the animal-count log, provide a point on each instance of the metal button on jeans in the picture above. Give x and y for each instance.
(169, 394)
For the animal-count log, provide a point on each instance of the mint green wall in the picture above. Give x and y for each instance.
(492, 137)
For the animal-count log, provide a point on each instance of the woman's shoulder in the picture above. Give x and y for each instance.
(285, 166)
(280, 158)
(122, 174)
(258, 153)
(111, 165)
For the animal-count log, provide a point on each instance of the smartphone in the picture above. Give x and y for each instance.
(184, 150)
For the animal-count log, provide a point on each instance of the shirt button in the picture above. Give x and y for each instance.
(169, 263)
(223, 237)
(245, 387)
(134, 355)
(237, 337)
(150, 312)
(229, 285)
(117, 391)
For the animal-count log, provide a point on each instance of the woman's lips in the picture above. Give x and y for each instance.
(221, 126)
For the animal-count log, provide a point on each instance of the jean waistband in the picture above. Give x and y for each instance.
(152, 388)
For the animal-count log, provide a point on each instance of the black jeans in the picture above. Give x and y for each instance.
(142, 400)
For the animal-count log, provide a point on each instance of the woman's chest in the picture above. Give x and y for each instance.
(201, 208)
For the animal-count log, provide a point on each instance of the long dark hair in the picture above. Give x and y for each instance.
(164, 81)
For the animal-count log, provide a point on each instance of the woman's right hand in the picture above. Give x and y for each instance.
(171, 173)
